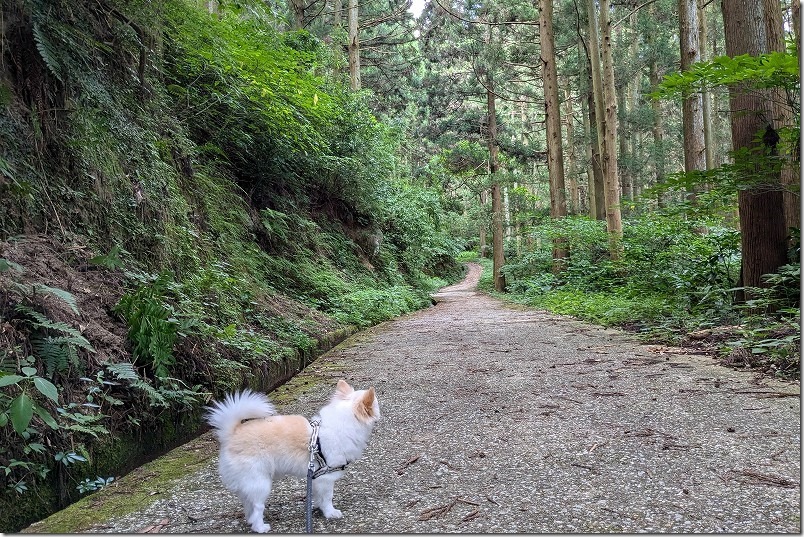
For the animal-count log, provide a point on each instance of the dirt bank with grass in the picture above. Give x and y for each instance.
(505, 419)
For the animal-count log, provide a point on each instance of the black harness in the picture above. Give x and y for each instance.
(316, 459)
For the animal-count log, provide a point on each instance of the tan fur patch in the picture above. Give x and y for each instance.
(343, 390)
(364, 408)
(288, 435)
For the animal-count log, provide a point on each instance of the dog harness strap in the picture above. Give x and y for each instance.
(317, 456)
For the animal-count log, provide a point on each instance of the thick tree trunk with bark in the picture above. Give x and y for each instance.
(783, 117)
(761, 216)
(552, 107)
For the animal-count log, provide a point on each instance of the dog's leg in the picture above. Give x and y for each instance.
(254, 499)
(322, 495)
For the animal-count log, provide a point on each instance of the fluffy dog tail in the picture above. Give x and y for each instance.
(226, 415)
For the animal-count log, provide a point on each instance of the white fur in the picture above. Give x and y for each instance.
(236, 407)
(255, 453)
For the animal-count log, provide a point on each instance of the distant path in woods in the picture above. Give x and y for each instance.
(503, 419)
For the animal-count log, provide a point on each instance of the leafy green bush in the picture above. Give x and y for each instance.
(371, 306)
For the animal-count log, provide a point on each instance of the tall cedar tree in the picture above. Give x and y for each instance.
(761, 214)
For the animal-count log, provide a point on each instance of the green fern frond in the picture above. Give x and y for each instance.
(156, 398)
(42, 322)
(54, 356)
(45, 49)
(93, 430)
(66, 296)
(123, 371)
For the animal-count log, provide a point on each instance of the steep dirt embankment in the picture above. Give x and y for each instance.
(502, 419)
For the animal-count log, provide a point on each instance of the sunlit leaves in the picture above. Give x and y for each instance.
(774, 70)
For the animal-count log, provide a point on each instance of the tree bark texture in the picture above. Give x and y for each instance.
(783, 117)
(337, 13)
(482, 228)
(692, 104)
(597, 198)
(298, 7)
(611, 181)
(596, 106)
(760, 208)
(498, 259)
(552, 109)
(574, 197)
(706, 97)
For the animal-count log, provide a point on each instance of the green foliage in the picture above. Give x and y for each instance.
(152, 326)
(32, 421)
(235, 181)
(670, 268)
(92, 485)
(772, 70)
(770, 334)
(676, 276)
(369, 306)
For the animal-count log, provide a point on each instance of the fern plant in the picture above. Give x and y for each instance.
(152, 327)
(54, 342)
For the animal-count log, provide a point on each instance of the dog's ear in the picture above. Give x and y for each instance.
(343, 389)
(364, 408)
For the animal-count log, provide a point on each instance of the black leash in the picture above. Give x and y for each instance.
(308, 504)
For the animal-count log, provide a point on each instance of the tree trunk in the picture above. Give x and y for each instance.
(624, 171)
(496, 192)
(337, 13)
(574, 204)
(589, 154)
(596, 107)
(706, 97)
(596, 179)
(298, 7)
(658, 131)
(611, 181)
(796, 16)
(354, 47)
(552, 107)
(692, 104)
(482, 248)
(760, 208)
(783, 117)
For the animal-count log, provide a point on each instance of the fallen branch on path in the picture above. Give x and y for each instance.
(757, 478)
(402, 467)
(471, 516)
(766, 395)
(435, 512)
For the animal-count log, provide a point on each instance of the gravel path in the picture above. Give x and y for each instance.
(502, 419)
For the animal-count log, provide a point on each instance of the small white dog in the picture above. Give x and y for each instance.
(257, 446)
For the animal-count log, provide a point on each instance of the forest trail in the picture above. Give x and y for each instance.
(502, 419)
